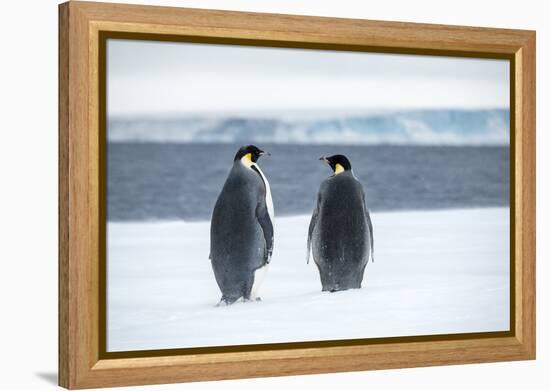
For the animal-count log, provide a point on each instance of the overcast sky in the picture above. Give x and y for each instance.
(155, 78)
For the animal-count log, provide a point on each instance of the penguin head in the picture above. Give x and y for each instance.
(338, 163)
(249, 154)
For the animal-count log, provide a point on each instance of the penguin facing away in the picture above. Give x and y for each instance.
(340, 234)
(241, 230)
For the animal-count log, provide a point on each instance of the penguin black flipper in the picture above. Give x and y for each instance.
(312, 224)
(262, 215)
(371, 234)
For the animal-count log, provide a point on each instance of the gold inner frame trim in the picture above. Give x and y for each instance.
(113, 31)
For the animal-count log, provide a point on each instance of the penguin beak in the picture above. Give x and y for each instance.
(324, 159)
(262, 153)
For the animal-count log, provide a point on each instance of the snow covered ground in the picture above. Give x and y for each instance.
(435, 272)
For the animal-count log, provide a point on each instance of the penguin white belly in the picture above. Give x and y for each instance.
(259, 275)
(268, 199)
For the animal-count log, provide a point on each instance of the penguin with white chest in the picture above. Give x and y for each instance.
(340, 232)
(241, 231)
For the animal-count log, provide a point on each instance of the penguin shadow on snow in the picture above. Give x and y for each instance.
(340, 234)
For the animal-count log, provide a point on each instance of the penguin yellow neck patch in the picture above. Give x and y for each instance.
(338, 168)
(247, 160)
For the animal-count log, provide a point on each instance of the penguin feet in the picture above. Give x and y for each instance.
(333, 288)
(253, 299)
(226, 301)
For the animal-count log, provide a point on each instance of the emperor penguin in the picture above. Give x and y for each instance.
(340, 234)
(241, 230)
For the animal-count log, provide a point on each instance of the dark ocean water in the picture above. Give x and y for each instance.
(161, 181)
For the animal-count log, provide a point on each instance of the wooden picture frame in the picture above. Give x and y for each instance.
(83, 27)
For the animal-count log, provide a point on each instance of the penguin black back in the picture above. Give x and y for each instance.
(340, 234)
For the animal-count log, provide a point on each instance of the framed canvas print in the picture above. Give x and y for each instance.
(247, 195)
